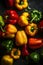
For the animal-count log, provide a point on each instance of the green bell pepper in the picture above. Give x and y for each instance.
(2, 23)
(8, 44)
(35, 56)
(41, 53)
(36, 15)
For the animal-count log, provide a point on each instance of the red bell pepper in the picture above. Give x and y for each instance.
(35, 43)
(9, 3)
(41, 25)
(25, 51)
(12, 21)
(11, 16)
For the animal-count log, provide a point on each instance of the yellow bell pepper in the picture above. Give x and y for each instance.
(15, 53)
(7, 60)
(21, 38)
(24, 19)
(31, 29)
(21, 5)
(10, 31)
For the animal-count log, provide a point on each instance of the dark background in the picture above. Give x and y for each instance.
(34, 4)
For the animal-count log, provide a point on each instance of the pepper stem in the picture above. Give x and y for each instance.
(2, 29)
(22, 2)
(28, 9)
(16, 52)
(6, 17)
(33, 18)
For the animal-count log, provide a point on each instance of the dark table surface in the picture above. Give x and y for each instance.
(34, 4)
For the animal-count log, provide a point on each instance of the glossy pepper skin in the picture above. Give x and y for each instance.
(24, 19)
(23, 4)
(21, 38)
(15, 53)
(1, 21)
(6, 60)
(11, 16)
(31, 29)
(35, 56)
(40, 25)
(9, 3)
(35, 43)
(2, 24)
(36, 16)
(10, 31)
(8, 44)
(25, 51)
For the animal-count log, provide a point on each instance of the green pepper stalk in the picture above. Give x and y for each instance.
(7, 44)
(35, 56)
(21, 2)
(2, 24)
(28, 9)
(36, 15)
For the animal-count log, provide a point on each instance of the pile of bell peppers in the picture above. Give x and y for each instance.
(20, 5)
(19, 31)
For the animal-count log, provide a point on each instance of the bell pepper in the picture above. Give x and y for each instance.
(15, 53)
(36, 16)
(31, 29)
(6, 60)
(2, 24)
(21, 38)
(25, 51)
(11, 16)
(8, 44)
(9, 3)
(35, 43)
(41, 54)
(1, 21)
(24, 19)
(35, 56)
(10, 31)
(40, 25)
(21, 4)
